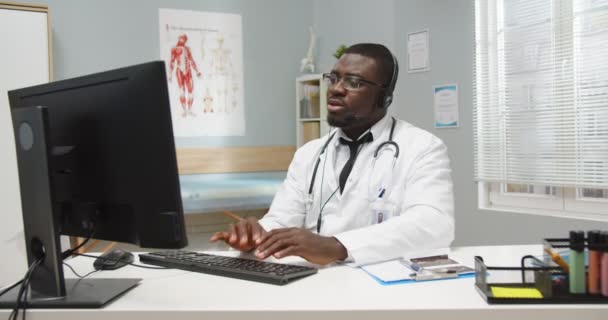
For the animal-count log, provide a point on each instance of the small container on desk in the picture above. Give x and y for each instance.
(538, 280)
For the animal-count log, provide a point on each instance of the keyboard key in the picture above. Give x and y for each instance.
(247, 269)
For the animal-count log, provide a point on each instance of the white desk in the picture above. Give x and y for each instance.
(334, 293)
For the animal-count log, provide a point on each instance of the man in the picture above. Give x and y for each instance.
(339, 202)
(182, 56)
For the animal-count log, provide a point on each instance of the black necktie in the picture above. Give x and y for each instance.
(354, 151)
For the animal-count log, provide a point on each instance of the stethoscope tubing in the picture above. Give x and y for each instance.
(378, 149)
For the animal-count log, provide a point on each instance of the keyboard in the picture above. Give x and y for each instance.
(246, 269)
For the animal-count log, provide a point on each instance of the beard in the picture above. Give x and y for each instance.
(337, 122)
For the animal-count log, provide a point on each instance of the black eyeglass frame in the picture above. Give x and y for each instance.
(327, 76)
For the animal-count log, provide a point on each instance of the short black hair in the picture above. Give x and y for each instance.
(383, 57)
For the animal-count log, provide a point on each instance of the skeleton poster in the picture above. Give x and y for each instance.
(203, 54)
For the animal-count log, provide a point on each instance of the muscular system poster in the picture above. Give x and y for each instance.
(203, 53)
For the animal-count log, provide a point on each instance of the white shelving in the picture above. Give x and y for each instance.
(311, 108)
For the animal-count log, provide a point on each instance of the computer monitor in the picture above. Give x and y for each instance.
(96, 158)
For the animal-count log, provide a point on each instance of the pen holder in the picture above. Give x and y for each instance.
(538, 280)
(529, 283)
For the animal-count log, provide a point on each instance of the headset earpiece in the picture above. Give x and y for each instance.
(386, 98)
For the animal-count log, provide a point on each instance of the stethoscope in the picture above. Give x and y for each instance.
(389, 144)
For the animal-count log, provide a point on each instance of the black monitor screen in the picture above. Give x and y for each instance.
(112, 156)
(96, 158)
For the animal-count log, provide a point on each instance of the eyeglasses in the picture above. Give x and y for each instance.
(351, 83)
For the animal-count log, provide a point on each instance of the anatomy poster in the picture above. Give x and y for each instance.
(203, 53)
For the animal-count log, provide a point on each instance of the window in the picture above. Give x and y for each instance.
(541, 106)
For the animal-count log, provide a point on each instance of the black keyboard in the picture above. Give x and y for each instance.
(247, 269)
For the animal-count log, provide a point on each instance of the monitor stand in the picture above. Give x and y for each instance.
(48, 287)
(80, 293)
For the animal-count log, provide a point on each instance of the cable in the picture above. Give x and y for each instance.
(321, 207)
(11, 287)
(320, 218)
(26, 284)
(70, 252)
(24, 298)
(76, 273)
(130, 263)
(24, 290)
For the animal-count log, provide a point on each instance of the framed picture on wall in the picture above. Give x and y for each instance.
(445, 105)
(418, 51)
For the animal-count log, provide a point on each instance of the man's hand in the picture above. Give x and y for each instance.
(300, 242)
(242, 235)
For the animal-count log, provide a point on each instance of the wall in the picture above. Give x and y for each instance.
(91, 36)
(451, 25)
(351, 21)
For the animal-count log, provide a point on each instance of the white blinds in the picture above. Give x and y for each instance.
(541, 92)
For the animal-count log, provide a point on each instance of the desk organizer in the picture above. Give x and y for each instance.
(536, 281)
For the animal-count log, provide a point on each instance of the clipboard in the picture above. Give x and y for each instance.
(404, 281)
(425, 268)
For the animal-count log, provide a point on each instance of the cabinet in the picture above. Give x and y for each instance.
(311, 108)
(25, 60)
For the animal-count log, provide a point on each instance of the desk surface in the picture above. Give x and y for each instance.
(338, 292)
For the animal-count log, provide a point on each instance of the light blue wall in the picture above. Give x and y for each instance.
(351, 21)
(451, 26)
(96, 35)
(90, 36)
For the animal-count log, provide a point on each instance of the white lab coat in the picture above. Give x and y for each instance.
(420, 194)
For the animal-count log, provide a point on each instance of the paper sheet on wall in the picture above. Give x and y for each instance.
(445, 100)
(203, 53)
(418, 51)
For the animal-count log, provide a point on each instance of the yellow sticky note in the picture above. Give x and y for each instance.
(511, 292)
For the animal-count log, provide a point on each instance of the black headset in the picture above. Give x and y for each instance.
(386, 98)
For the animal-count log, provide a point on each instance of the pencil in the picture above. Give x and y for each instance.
(232, 215)
(558, 259)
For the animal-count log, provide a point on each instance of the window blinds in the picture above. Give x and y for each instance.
(541, 92)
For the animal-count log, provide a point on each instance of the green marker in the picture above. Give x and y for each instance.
(577, 263)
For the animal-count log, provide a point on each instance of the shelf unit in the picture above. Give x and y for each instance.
(311, 108)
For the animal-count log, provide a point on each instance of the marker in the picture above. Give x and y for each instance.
(595, 254)
(604, 263)
(577, 262)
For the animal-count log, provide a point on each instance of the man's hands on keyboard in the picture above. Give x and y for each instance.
(248, 234)
(300, 242)
(233, 267)
(245, 235)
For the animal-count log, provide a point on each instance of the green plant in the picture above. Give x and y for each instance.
(340, 51)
